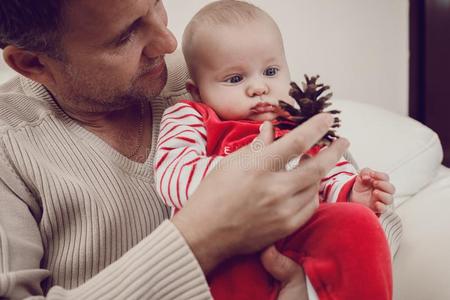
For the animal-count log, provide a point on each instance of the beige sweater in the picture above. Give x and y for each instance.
(78, 219)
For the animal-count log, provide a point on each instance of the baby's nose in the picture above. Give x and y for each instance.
(257, 89)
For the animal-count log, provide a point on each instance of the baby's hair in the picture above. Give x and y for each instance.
(227, 12)
(222, 12)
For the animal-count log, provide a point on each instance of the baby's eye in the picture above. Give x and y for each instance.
(234, 79)
(272, 71)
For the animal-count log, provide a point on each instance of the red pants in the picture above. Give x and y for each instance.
(342, 249)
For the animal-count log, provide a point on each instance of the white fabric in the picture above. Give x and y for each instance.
(422, 264)
(6, 73)
(312, 295)
(408, 151)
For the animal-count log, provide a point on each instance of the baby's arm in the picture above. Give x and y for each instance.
(180, 159)
(370, 188)
(337, 185)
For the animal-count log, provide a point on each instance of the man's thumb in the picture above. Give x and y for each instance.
(279, 266)
(266, 134)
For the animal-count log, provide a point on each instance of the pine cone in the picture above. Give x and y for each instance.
(310, 103)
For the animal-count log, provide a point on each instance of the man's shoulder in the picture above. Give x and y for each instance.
(18, 106)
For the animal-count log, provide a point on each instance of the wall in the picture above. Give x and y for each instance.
(5, 71)
(359, 47)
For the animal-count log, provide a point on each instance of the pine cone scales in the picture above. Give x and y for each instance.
(310, 102)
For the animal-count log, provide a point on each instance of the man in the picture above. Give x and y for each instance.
(79, 217)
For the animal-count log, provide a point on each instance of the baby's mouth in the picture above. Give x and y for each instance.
(266, 107)
(263, 107)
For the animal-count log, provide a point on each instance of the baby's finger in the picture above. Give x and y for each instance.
(384, 186)
(380, 207)
(384, 197)
(365, 172)
(365, 175)
(379, 175)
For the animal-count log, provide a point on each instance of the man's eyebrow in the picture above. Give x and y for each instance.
(126, 32)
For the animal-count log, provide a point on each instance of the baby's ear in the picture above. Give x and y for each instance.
(192, 88)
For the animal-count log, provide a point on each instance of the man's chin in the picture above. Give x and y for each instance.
(141, 89)
(152, 85)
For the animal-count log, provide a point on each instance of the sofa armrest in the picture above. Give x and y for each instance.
(422, 265)
(408, 151)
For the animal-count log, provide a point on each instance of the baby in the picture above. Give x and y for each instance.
(235, 55)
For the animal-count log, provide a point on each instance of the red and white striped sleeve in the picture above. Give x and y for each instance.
(338, 183)
(180, 159)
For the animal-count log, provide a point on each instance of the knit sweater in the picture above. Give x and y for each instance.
(78, 219)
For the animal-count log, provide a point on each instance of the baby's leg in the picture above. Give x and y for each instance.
(342, 249)
(243, 278)
(344, 253)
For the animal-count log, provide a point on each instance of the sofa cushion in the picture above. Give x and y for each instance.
(408, 151)
(422, 265)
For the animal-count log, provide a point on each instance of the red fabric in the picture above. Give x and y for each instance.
(225, 137)
(342, 248)
(345, 190)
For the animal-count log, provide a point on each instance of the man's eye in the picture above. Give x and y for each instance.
(272, 71)
(234, 79)
(126, 39)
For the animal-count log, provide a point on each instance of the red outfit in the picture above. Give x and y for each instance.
(225, 137)
(342, 248)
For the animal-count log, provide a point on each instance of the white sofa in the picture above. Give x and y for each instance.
(411, 154)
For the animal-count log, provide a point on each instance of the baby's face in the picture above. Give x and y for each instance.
(241, 70)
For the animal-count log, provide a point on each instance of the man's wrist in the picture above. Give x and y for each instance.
(201, 242)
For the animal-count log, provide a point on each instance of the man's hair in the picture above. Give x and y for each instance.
(222, 12)
(34, 25)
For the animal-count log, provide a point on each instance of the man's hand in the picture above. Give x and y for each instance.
(373, 190)
(249, 201)
(290, 275)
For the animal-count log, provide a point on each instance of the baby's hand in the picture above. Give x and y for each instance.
(372, 189)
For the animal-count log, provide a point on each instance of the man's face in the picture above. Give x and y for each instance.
(114, 53)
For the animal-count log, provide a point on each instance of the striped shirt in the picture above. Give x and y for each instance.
(183, 159)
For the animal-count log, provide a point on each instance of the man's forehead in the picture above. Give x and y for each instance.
(102, 16)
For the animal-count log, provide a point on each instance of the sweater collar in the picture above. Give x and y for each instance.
(37, 91)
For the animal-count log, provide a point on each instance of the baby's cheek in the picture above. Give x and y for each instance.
(283, 94)
(231, 113)
(289, 99)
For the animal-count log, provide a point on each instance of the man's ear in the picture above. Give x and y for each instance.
(27, 63)
(192, 88)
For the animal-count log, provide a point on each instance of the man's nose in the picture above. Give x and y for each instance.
(257, 88)
(161, 42)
